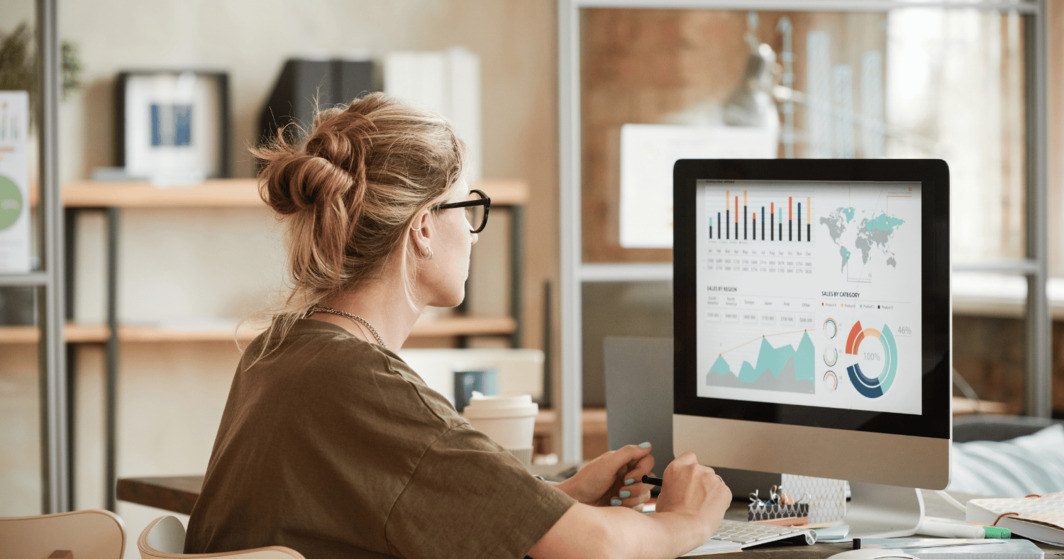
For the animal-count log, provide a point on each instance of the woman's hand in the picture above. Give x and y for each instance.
(692, 489)
(613, 478)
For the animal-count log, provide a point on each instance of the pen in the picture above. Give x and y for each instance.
(651, 480)
(949, 529)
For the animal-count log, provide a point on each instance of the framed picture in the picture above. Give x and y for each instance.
(173, 125)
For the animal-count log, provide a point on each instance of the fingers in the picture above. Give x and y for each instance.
(631, 462)
(631, 453)
(633, 493)
(688, 484)
(632, 496)
(636, 469)
(686, 458)
(637, 461)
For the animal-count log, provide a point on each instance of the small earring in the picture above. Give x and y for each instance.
(424, 256)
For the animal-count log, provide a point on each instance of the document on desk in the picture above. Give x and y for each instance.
(940, 548)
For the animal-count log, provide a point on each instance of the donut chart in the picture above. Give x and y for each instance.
(877, 386)
(831, 381)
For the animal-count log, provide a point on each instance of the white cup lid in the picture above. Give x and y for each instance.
(481, 406)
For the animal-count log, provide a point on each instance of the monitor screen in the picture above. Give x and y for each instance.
(773, 329)
(812, 305)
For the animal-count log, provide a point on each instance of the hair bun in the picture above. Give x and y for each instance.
(345, 142)
(300, 181)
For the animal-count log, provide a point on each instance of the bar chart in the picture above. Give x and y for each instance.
(761, 216)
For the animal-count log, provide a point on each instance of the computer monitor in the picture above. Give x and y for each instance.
(812, 325)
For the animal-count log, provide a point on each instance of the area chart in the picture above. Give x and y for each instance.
(785, 368)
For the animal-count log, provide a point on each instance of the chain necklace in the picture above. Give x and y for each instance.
(355, 317)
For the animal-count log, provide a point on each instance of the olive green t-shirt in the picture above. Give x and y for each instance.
(336, 448)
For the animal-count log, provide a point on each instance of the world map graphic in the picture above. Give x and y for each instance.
(868, 234)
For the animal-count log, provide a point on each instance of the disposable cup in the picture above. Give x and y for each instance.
(508, 420)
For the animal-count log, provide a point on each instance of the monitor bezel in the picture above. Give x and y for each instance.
(934, 421)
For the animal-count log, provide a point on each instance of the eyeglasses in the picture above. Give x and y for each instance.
(476, 210)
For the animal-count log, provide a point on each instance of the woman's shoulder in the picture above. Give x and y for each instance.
(330, 359)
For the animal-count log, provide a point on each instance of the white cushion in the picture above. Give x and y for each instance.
(1031, 464)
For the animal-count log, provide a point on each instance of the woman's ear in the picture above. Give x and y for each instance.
(421, 233)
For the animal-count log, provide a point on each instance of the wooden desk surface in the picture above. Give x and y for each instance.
(179, 494)
(172, 493)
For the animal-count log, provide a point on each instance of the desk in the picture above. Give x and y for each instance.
(179, 493)
(172, 493)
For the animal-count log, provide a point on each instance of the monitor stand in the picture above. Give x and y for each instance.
(883, 511)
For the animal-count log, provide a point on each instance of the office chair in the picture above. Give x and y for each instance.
(164, 538)
(80, 534)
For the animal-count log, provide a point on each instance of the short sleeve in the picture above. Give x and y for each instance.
(470, 498)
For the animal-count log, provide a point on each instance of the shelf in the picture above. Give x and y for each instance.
(222, 193)
(137, 194)
(75, 333)
(593, 420)
(98, 333)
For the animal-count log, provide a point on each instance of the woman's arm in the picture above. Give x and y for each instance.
(689, 510)
(585, 531)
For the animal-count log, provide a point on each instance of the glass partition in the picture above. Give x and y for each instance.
(642, 86)
(656, 85)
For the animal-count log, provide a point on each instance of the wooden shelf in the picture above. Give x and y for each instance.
(222, 193)
(593, 430)
(75, 333)
(964, 406)
(98, 333)
(137, 194)
(593, 421)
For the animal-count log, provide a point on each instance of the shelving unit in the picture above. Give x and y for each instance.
(243, 193)
(113, 197)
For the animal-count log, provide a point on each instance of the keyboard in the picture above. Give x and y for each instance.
(748, 534)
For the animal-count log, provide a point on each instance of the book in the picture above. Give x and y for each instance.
(1036, 517)
(940, 548)
(446, 82)
(305, 84)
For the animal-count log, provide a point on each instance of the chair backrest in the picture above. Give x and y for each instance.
(84, 534)
(164, 538)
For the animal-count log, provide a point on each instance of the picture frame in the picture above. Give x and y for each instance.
(172, 126)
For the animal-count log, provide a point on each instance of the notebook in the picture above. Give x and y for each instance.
(1036, 517)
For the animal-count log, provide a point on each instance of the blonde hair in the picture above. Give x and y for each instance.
(349, 194)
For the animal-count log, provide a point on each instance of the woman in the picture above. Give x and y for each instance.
(331, 445)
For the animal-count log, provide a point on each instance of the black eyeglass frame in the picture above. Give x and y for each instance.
(484, 201)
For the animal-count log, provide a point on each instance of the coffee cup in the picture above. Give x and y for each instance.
(510, 421)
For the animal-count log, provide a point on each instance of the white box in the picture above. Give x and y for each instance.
(14, 183)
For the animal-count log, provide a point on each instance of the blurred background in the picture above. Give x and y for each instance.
(533, 84)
